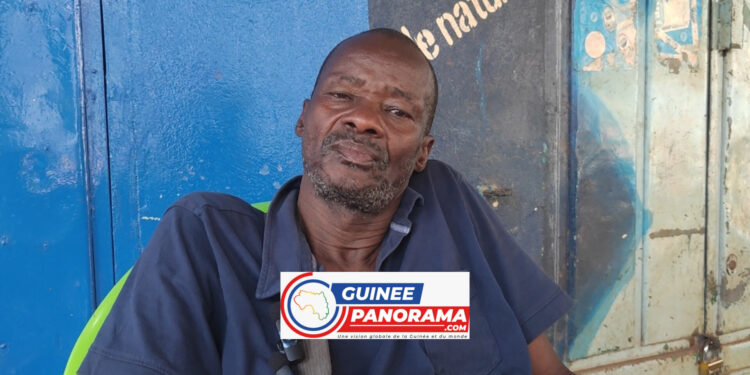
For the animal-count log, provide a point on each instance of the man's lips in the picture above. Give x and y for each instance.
(355, 153)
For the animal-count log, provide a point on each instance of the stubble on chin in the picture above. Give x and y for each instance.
(368, 199)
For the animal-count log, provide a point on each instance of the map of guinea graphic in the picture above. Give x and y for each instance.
(315, 302)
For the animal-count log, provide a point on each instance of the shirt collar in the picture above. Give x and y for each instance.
(285, 247)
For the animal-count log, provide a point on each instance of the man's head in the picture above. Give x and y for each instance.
(396, 36)
(365, 128)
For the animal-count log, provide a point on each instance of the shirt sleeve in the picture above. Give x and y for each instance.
(534, 298)
(159, 324)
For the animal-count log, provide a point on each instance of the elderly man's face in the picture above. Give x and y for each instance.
(363, 129)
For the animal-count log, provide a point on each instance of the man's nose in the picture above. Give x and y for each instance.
(365, 119)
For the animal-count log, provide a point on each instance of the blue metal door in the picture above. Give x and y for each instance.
(45, 285)
(109, 112)
(205, 97)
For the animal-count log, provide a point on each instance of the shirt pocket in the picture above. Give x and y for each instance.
(478, 355)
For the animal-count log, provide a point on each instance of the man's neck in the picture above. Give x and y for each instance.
(340, 239)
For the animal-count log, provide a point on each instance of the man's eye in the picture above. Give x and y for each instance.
(399, 112)
(340, 95)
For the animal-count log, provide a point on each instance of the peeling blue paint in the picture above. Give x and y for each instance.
(682, 30)
(612, 22)
(606, 202)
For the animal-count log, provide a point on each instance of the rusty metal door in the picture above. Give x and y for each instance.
(639, 106)
(659, 99)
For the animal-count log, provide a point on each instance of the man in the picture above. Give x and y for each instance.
(198, 299)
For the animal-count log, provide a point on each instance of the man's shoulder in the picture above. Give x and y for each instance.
(440, 168)
(435, 172)
(202, 201)
(440, 179)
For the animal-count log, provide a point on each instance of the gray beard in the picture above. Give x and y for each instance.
(369, 200)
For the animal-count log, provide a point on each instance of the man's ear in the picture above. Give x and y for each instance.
(299, 128)
(424, 153)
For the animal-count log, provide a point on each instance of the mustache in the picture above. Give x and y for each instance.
(381, 156)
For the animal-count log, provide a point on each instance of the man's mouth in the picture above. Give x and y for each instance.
(355, 153)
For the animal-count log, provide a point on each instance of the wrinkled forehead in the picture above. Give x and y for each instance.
(388, 59)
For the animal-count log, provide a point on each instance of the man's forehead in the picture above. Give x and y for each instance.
(374, 42)
(381, 48)
(386, 64)
(348, 80)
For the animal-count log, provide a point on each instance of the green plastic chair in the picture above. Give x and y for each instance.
(87, 336)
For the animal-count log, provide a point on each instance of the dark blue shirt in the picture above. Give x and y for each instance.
(198, 299)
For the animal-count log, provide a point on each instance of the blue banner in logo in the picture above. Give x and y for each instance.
(377, 293)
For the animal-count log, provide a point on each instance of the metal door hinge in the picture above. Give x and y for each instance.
(727, 24)
(710, 356)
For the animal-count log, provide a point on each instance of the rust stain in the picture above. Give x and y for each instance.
(673, 65)
(730, 296)
(492, 193)
(676, 232)
(696, 344)
(731, 263)
(687, 352)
